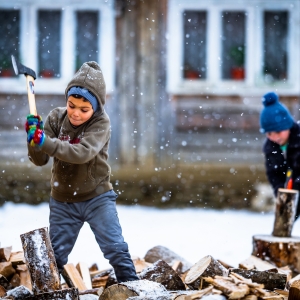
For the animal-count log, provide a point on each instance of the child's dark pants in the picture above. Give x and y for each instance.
(66, 220)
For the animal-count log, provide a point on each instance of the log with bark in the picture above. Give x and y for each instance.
(270, 280)
(278, 250)
(161, 272)
(40, 261)
(160, 252)
(205, 267)
(143, 288)
(285, 212)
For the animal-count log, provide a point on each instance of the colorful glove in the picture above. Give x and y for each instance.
(34, 127)
(34, 122)
(36, 137)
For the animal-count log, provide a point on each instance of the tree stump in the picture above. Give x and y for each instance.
(278, 250)
(124, 290)
(205, 267)
(161, 272)
(159, 252)
(40, 261)
(285, 212)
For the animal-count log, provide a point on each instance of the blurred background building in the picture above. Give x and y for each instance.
(184, 77)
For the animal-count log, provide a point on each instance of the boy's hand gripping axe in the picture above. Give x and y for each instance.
(30, 77)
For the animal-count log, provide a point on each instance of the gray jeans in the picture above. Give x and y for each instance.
(66, 220)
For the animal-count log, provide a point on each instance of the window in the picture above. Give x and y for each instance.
(275, 45)
(194, 23)
(233, 45)
(9, 41)
(86, 37)
(49, 43)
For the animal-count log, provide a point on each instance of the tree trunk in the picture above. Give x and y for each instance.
(145, 288)
(40, 261)
(162, 273)
(285, 212)
(278, 250)
(205, 267)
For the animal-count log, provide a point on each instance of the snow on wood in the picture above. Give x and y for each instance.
(40, 261)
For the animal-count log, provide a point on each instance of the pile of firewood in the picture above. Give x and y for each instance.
(163, 276)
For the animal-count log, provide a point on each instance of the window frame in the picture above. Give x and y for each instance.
(254, 82)
(28, 36)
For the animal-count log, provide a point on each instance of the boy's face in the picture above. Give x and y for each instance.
(280, 137)
(79, 110)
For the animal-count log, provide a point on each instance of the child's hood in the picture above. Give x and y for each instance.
(90, 76)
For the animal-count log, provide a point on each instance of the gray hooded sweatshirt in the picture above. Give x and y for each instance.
(80, 170)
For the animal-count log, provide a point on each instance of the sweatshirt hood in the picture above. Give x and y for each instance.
(90, 76)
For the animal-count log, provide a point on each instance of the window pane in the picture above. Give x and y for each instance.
(233, 45)
(49, 43)
(9, 41)
(194, 23)
(275, 45)
(87, 37)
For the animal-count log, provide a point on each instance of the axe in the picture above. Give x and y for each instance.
(30, 77)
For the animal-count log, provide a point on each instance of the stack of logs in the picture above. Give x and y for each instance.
(272, 272)
(163, 274)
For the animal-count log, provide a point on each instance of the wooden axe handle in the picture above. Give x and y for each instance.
(31, 95)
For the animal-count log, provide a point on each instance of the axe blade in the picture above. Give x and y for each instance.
(21, 69)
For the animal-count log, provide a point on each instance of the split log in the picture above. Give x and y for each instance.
(40, 260)
(140, 264)
(182, 295)
(160, 252)
(104, 279)
(17, 258)
(5, 253)
(253, 262)
(229, 288)
(145, 288)
(6, 269)
(85, 274)
(25, 279)
(278, 250)
(270, 280)
(73, 278)
(285, 212)
(205, 267)
(96, 291)
(162, 273)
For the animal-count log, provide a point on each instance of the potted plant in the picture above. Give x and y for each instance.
(237, 53)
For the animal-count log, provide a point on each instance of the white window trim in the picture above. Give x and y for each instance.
(28, 43)
(213, 84)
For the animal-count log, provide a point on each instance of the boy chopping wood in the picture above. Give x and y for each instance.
(282, 146)
(77, 137)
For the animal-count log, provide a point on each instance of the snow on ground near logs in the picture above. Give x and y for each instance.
(192, 233)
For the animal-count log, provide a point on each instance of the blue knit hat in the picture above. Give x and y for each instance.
(77, 90)
(274, 116)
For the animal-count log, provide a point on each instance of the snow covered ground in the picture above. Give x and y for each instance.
(191, 233)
